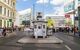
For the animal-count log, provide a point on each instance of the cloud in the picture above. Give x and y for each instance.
(53, 2)
(66, 1)
(22, 0)
(59, 10)
(57, 2)
(42, 1)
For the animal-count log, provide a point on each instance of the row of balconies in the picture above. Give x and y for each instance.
(9, 3)
(6, 13)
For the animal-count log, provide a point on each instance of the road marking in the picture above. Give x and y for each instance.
(68, 47)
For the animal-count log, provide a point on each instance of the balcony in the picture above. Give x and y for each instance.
(9, 6)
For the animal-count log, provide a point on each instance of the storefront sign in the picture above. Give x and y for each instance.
(67, 15)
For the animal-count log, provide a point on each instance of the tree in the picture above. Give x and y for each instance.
(26, 22)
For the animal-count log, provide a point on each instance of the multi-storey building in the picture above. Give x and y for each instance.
(58, 20)
(7, 12)
(70, 7)
(23, 15)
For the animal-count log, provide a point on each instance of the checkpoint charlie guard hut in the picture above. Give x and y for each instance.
(40, 26)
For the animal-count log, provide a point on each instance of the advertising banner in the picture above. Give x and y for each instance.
(78, 1)
(69, 7)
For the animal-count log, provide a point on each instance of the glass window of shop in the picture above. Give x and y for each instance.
(0, 23)
(0, 9)
(4, 23)
(10, 14)
(7, 23)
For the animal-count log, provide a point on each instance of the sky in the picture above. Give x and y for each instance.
(46, 6)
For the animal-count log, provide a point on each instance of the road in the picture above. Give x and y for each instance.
(70, 43)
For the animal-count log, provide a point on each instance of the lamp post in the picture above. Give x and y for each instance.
(43, 8)
(33, 11)
(74, 14)
(79, 19)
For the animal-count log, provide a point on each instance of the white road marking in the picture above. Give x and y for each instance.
(68, 47)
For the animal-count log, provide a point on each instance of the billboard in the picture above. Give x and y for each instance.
(68, 7)
(78, 1)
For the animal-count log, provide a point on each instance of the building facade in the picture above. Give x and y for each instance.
(58, 20)
(23, 15)
(7, 13)
(70, 8)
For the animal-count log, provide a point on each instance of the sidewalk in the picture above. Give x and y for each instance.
(10, 34)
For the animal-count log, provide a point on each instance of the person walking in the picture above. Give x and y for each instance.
(4, 32)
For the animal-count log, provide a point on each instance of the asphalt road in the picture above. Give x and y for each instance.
(72, 42)
(11, 43)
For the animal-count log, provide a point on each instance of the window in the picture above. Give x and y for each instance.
(8, 1)
(8, 13)
(39, 27)
(0, 9)
(4, 11)
(43, 26)
(0, 23)
(13, 14)
(35, 26)
(13, 4)
(4, 0)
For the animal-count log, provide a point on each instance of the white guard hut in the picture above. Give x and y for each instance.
(40, 26)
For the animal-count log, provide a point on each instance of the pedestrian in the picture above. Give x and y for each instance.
(68, 30)
(4, 32)
(53, 30)
(72, 29)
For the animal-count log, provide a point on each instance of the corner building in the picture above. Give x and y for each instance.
(7, 13)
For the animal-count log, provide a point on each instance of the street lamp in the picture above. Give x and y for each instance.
(74, 14)
(33, 11)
